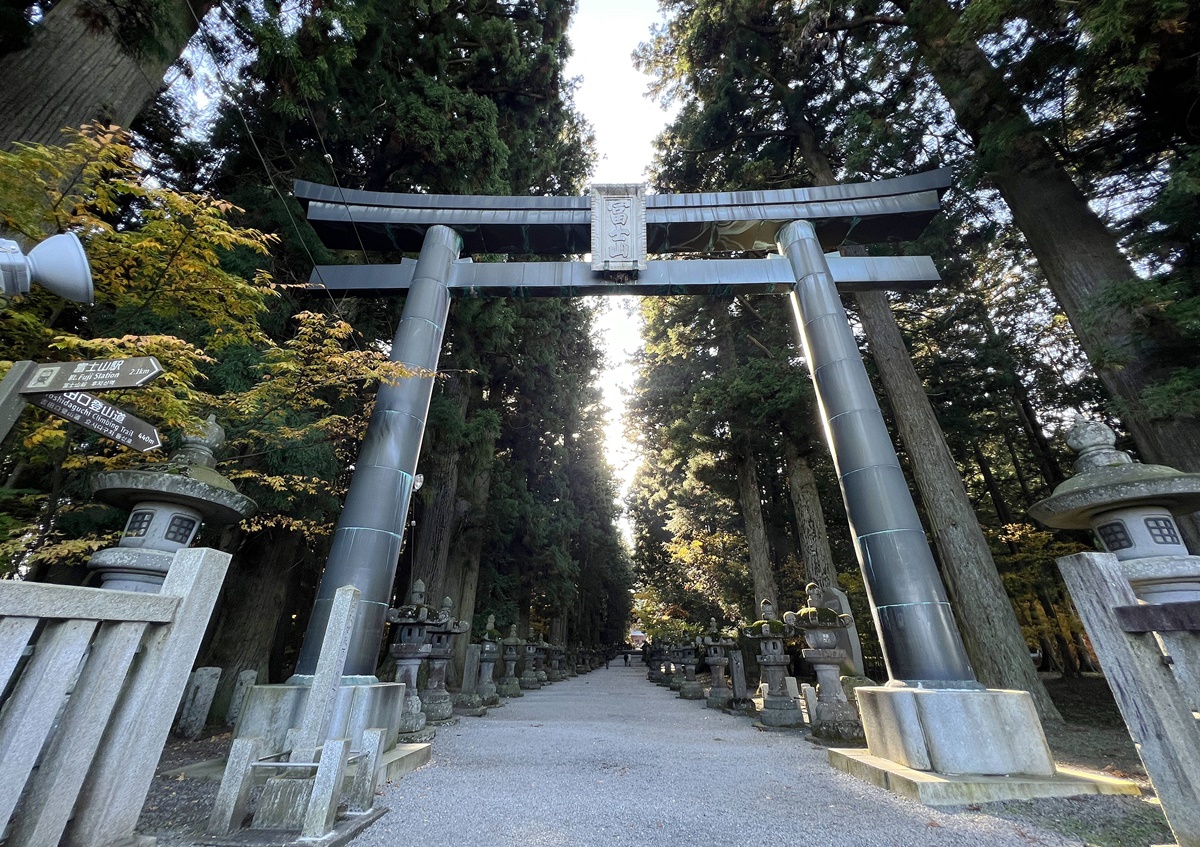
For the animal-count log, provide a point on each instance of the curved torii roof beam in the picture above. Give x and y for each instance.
(861, 213)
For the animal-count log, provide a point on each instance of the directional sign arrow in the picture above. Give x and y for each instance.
(100, 417)
(94, 375)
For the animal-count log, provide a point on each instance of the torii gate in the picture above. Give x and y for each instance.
(620, 225)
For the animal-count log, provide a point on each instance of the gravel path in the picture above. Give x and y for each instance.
(611, 759)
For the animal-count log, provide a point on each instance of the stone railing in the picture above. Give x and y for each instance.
(94, 698)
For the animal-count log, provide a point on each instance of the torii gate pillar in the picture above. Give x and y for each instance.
(366, 543)
(907, 599)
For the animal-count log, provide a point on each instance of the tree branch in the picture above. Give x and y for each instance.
(865, 20)
(741, 136)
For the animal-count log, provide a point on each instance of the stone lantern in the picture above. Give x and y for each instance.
(167, 503)
(529, 675)
(831, 715)
(555, 672)
(409, 648)
(509, 685)
(489, 653)
(436, 702)
(678, 670)
(654, 673)
(1131, 509)
(543, 651)
(690, 687)
(779, 708)
(715, 644)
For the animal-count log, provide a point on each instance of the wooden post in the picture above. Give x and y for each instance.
(1158, 716)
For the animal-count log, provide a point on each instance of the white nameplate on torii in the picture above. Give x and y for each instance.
(619, 228)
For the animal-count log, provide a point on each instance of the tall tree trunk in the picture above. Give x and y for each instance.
(1043, 454)
(252, 602)
(1075, 250)
(989, 627)
(438, 517)
(466, 550)
(810, 517)
(1047, 459)
(1026, 494)
(749, 491)
(78, 69)
(990, 483)
(750, 498)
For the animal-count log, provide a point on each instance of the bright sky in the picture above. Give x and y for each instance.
(612, 96)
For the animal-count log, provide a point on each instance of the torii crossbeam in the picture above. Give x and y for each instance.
(620, 225)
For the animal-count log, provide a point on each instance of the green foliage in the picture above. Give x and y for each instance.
(161, 289)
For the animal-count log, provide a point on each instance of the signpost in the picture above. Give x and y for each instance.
(61, 388)
(100, 417)
(96, 375)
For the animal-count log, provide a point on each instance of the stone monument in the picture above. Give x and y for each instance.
(690, 687)
(489, 653)
(529, 673)
(540, 658)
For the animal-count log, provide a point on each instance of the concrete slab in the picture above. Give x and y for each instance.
(403, 759)
(934, 789)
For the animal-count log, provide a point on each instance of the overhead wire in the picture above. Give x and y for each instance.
(333, 171)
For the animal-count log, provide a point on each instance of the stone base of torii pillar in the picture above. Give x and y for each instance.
(954, 746)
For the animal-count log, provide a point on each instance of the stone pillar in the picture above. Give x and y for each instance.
(654, 665)
(486, 689)
(366, 542)
(933, 701)
(543, 651)
(245, 681)
(197, 700)
(741, 704)
(917, 632)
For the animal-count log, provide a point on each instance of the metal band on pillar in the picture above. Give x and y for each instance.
(366, 543)
(916, 626)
